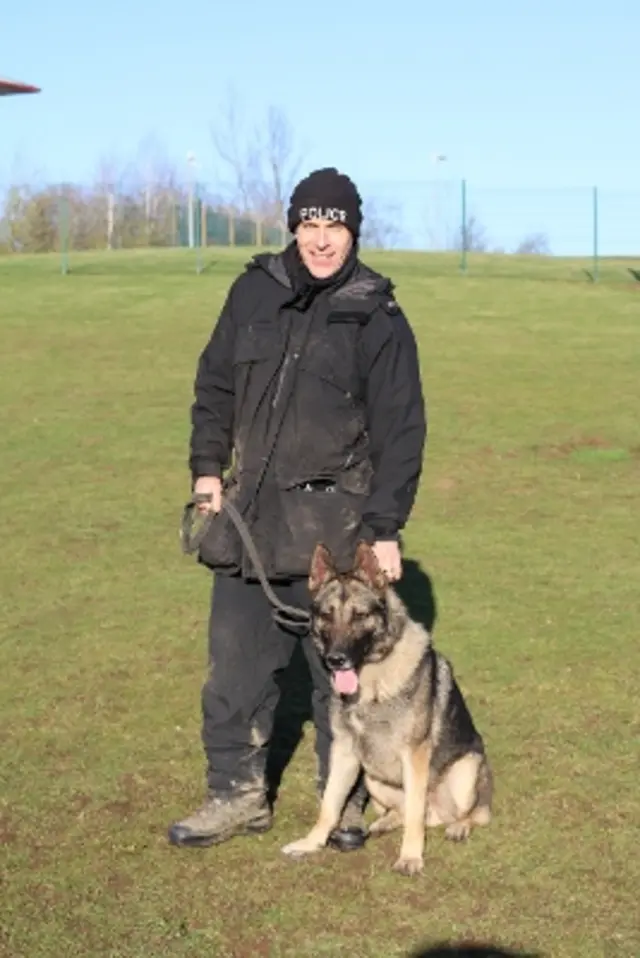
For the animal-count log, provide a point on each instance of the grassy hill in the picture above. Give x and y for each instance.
(526, 524)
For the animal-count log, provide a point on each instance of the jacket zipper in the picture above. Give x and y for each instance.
(283, 369)
(285, 365)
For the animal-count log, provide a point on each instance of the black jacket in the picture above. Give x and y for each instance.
(349, 452)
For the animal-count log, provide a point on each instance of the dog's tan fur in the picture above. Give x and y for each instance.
(407, 725)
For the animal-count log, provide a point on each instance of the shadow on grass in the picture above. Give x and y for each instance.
(293, 711)
(416, 591)
(294, 708)
(468, 951)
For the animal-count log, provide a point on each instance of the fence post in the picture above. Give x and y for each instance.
(197, 228)
(596, 263)
(111, 216)
(191, 214)
(174, 222)
(204, 238)
(63, 213)
(463, 229)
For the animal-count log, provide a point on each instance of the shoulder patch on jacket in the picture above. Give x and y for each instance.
(360, 288)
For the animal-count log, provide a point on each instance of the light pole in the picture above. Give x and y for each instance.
(438, 160)
(191, 161)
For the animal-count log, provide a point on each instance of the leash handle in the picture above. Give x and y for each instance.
(289, 616)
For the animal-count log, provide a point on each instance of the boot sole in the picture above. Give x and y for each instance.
(206, 841)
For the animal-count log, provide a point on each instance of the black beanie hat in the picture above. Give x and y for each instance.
(327, 195)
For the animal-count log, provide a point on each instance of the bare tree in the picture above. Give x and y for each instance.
(136, 202)
(283, 159)
(106, 184)
(472, 237)
(262, 162)
(235, 151)
(380, 225)
(535, 244)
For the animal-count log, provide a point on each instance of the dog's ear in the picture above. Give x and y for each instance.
(322, 567)
(367, 568)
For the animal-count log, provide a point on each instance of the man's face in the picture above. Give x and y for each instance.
(323, 246)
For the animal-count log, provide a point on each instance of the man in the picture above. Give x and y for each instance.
(310, 383)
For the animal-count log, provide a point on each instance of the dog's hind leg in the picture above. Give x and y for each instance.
(462, 799)
(387, 822)
(344, 767)
(481, 814)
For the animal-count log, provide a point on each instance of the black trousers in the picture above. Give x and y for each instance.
(247, 651)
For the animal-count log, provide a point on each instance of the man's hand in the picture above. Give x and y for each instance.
(209, 486)
(389, 559)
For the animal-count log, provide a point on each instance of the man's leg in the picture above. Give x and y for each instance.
(239, 697)
(352, 823)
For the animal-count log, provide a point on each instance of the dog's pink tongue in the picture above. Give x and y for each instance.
(346, 682)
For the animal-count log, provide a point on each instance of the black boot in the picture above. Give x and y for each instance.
(351, 834)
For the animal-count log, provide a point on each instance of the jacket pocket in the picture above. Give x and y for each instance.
(332, 371)
(318, 510)
(258, 344)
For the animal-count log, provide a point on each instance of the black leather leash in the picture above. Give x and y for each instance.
(289, 616)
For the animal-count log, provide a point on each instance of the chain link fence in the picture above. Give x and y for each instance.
(447, 215)
(441, 216)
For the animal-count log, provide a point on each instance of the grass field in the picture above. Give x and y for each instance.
(527, 524)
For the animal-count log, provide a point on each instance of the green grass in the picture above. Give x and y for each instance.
(527, 523)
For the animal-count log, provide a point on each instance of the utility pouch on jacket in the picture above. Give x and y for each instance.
(333, 506)
(220, 546)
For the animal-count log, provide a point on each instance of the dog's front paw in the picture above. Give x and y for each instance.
(458, 831)
(301, 848)
(409, 866)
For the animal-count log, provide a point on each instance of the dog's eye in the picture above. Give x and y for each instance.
(323, 619)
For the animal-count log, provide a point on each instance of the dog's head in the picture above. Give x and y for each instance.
(350, 615)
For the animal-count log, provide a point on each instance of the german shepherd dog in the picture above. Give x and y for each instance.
(397, 713)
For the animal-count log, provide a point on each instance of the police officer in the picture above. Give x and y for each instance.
(309, 416)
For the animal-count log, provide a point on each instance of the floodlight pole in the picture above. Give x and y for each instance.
(191, 160)
(438, 207)
(594, 201)
(464, 227)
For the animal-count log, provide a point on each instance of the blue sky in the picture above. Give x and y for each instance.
(532, 107)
